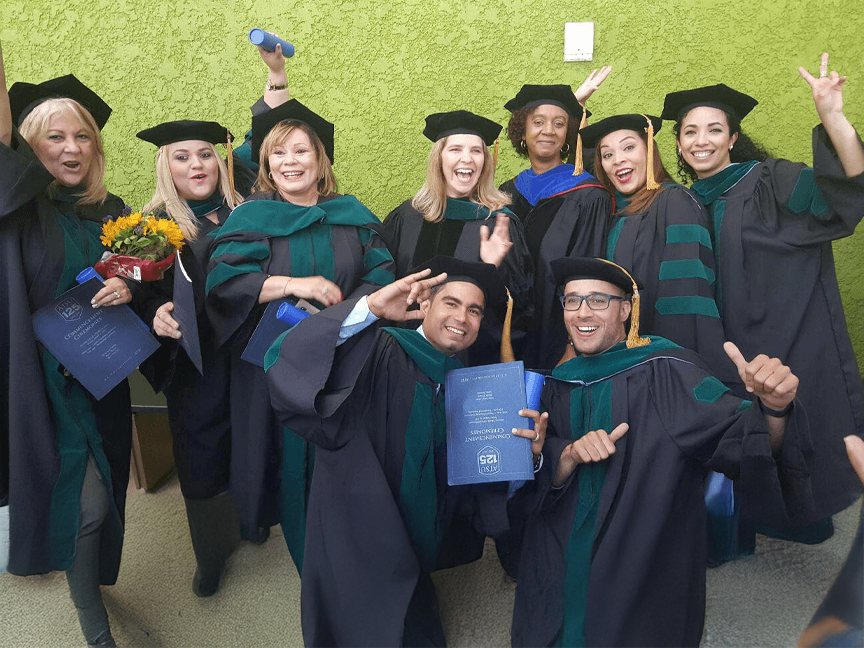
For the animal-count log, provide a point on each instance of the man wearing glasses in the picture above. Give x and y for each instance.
(615, 550)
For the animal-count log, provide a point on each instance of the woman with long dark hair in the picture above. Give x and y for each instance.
(773, 223)
(660, 233)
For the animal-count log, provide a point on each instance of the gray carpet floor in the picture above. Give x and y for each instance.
(761, 600)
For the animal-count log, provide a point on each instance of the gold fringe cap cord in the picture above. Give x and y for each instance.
(230, 161)
(650, 180)
(495, 157)
(633, 339)
(578, 164)
(507, 354)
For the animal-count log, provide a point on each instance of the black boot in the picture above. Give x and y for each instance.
(215, 531)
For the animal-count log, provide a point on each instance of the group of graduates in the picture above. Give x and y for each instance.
(621, 285)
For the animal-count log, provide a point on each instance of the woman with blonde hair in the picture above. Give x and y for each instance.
(295, 238)
(194, 187)
(62, 514)
(458, 212)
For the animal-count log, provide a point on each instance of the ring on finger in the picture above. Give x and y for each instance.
(116, 295)
(324, 290)
(537, 438)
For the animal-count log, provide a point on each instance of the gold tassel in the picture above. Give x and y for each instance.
(578, 164)
(507, 354)
(230, 161)
(633, 339)
(495, 158)
(650, 181)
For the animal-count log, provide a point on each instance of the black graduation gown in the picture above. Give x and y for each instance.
(778, 295)
(668, 251)
(234, 312)
(358, 404)
(198, 405)
(571, 224)
(622, 545)
(32, 255)
(413, 241)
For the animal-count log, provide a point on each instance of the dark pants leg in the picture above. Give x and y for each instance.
(83, 576)
(215, 532)
(422, 621)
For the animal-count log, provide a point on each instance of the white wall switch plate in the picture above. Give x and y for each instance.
(578, 41)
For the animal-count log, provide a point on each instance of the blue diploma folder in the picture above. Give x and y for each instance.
(98, 346)
(482, 405)
(184, 314)
(279, 316)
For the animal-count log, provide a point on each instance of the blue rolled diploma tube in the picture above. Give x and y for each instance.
(86, 275)
(268, 41)
(290, 314)
(533, 388)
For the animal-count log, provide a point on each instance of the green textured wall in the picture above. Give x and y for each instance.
(376, 68)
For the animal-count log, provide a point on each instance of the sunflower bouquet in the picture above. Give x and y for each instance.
(142, 246)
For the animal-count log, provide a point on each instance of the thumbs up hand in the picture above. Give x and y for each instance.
(768, 379)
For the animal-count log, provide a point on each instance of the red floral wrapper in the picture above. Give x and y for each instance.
(131, 267)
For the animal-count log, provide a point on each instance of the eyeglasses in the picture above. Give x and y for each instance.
(595, 301)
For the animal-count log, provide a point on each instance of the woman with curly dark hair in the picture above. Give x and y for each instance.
(773, 222)
(564, 210)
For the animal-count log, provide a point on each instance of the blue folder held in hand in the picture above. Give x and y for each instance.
(98, 346)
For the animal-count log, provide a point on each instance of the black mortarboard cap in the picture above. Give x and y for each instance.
(559, 95)
(569, 269)
(721, 96)
(291, 110)
(441, 125)
(483, 275)
(24, 97)
(183, 130)
(591, 135)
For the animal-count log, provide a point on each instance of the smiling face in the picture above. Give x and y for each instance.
(194, 169)
(67, 149)
(705, 141)
(452, 316)
(293, 164)
(462, 163)
(545, 133)
(624, 157)
(594, 331)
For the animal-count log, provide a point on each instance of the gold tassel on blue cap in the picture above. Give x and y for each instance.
(633, 339)
(507, 354)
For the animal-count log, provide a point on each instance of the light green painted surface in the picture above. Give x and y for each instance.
(377, 68)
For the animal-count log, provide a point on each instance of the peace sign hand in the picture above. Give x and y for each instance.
(827, 89)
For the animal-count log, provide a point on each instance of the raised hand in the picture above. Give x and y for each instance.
(591, 84)
(768, 379)
(393, 300)
(494, 247)
(538, 434)
(593, 447)
(827, 89)
(164, 324)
